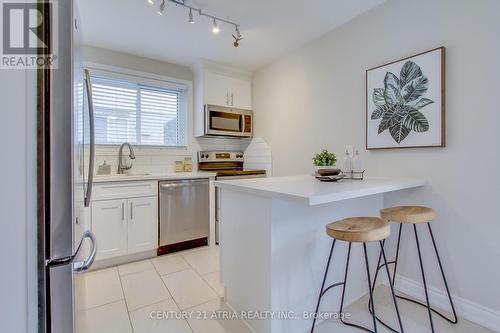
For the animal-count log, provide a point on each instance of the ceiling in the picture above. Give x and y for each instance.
(270, 28)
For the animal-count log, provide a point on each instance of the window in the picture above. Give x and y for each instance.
(128, 111)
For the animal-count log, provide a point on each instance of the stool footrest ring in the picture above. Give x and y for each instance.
(332, 286)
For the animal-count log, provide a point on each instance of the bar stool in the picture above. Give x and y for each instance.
(413, 215)
(357, 230)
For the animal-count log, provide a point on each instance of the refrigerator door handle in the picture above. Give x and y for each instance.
(83, 266)
(80, 266)
(90, 177)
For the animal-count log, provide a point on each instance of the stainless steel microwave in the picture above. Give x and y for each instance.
(227, 121)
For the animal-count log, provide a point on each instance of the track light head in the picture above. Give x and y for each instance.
(191, 19)
(162, 8)
(238, 33)
(215, 27)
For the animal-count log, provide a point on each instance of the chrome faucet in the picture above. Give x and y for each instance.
(121, 165)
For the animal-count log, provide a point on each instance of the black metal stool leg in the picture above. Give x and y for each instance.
(370, 288)
(397, 255)
(391, 284)
(395, 261)
(423, 278)
(455, 318)
(323, 285)
(341, 311)
(379, 266)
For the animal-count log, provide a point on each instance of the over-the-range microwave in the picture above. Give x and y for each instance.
(227, 121)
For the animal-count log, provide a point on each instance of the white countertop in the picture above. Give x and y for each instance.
(314, 192)
(153, 176)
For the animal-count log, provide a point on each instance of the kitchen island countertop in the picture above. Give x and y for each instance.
(311, 191)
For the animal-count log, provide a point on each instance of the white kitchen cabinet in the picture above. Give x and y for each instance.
(241, 93)
(229, 91)
(124, 218)
(109, 225)
(216, 89)
(219, 85)
(142, 224)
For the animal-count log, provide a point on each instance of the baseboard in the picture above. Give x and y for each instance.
(126, 259)
(466, 309)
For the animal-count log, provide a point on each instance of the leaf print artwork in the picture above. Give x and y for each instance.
(400, 102)
(405, 102)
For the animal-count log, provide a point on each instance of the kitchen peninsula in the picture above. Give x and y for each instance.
(274, 247)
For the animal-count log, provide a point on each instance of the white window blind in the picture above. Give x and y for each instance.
(127, 111)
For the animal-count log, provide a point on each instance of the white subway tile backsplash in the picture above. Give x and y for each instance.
(162, 160)
(258, 155)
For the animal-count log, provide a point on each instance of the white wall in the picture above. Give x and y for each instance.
(314, 98)
(17, 201)
(118, 59)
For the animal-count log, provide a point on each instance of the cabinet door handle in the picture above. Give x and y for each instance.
(131, 210)
(227, 98)
(123, 211)
(232, 99)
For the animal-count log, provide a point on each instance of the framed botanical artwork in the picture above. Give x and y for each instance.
(405, 102)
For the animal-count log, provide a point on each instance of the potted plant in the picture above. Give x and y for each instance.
(324, 160)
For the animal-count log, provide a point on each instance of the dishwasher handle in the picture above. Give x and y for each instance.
(182, 183)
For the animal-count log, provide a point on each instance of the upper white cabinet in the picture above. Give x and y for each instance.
(219, 85)
(228, 91)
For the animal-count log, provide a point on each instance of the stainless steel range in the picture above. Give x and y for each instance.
(227, 165)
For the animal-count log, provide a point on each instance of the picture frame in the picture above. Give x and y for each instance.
(405, 102)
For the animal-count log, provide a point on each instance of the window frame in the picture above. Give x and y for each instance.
(151, 80)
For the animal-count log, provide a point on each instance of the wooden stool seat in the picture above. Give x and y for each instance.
(409, 214)
(359, 229)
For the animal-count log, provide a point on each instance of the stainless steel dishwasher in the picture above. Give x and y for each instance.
(184, 214)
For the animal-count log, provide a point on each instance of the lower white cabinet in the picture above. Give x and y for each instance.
(109, 225)
(125, 226)
(142, 224)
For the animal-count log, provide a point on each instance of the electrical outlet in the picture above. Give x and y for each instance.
(349, 149)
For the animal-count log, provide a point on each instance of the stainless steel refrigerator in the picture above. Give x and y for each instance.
(65, 159)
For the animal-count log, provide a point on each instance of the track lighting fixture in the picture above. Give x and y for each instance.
(162, 8)
(215, 27)
(238, 33)
(191, 19)
(216, 20)
(237, 37)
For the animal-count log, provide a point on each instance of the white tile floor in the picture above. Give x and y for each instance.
(123, 299)
(148, 297)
